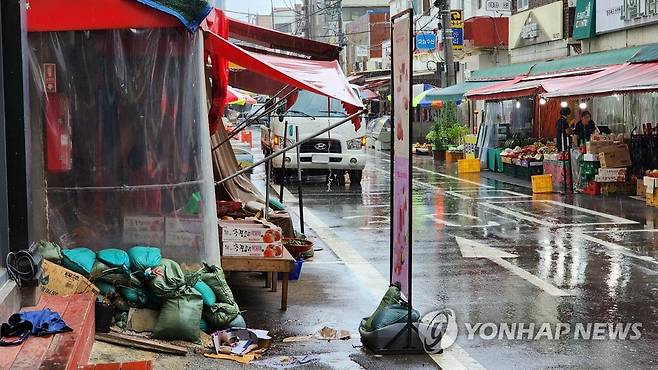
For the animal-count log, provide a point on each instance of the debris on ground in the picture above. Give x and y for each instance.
(141, 343)
(286, 362)
(326, 333)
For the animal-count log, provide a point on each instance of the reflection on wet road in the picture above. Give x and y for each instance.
(523, 258)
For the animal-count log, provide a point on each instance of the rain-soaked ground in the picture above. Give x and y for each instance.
(570, 262)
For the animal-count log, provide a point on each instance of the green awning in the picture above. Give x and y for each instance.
(585, 61)
(505, 72)
(647, 53)
(456, 92)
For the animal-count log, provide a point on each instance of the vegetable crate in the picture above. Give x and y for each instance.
(542, 183)
(468, 165)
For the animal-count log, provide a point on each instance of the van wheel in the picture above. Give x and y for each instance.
(278, 175)
(355, 176)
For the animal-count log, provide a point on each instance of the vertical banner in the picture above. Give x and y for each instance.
(402, 68)
(457, 27)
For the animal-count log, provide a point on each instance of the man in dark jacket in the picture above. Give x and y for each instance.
(585, 127)
(562, 139)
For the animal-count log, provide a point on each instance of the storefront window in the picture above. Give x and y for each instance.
(125, 140)
(623, 113)
(609, 111)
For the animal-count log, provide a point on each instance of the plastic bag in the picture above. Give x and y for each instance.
(50, 251)
(180, 317)
(135, 296)
(142, 259)
(114, 258)
(80, 260)
(213, 275)
(112, 275)
(207, 294)
(238, 322)
(106, 289)
(392, 314)
(219, 315)
(392, 296)
(168, 280)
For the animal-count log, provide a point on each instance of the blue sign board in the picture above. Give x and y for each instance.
(458, 38)
(425, 41)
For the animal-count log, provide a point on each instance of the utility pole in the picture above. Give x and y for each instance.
(307, 19)
(272, 10)
(446, 29)
(341, 34)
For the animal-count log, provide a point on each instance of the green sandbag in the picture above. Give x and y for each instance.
(238, 322)
(203, 325)
(135, 296)
(50, 251)
(207, 294)
(392, 296)
(170, 278)
(144, 258)
(114, 258)
(152, 301)
(106, 289)
(219, 315)
(392, 314)
(120, 304)
(180, 317)
(80, 260)
(213, 275)
(112, 275)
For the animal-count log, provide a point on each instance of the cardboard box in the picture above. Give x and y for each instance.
(617, 156)
(589, 157)
(600, 178)
(147, 230)
(235, 248)
(58, 280)
(184, 232)
(596, 147)
(249, 231)
(640, 188)
(612, 171)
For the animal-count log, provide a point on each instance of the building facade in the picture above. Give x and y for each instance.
(364, 38)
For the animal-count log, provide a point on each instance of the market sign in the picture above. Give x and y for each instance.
(536, 26)
(457, 26)
(498, 5)
(425, 41)
(584, 26)
(361, 51)
(613, 15)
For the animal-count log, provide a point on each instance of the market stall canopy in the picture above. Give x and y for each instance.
(456, 92)
(368, 94)
(622, 79)
(419, 92)
(234, 96)
(272, 39)
(320, 77)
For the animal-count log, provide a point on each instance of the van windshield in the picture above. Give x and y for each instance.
(315, 105)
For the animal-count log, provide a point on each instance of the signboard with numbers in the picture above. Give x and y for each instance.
(457, 26)
(498, 5)
(613, 15)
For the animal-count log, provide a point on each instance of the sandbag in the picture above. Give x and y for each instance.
(168, 280)
(112, 275)
(120, 304)
(106, 289)
(207, 294)
(180, 317)
(114, 258)
(238, 322)
(393, 314)
(135, 296)
(143, 259)
(392, 296)
(213, 275)
(80, 260)
(50, 251)
(219, 315)
(152, 301)
(203, 325)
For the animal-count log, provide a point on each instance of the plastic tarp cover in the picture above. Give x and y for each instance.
(124, 125)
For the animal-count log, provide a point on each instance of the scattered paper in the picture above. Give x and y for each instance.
(286, 362)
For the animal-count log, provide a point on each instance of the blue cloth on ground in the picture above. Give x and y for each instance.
(24, 324)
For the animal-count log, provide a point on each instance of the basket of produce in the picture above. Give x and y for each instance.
(297, 247)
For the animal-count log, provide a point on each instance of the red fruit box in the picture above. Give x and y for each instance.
(269, 250)
(249, 231)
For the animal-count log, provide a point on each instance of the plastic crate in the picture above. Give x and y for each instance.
(509, 169)
(542, 183)
(296, 272)
(468, 165)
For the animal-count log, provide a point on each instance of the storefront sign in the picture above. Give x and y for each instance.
(613, 15)
(425, 41)
(584, 25)
(401, 165)
(361, 51)
(457, 26)
(498, 5)
(536, 26)
(50, 77)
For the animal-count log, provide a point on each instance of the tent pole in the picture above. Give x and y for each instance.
(283, 162)
(268, 167)
(299, 185)
(279, 152)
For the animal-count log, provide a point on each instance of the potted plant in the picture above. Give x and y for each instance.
(446, 131)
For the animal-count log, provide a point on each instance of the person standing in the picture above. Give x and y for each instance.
(585, 128)
(564, 131)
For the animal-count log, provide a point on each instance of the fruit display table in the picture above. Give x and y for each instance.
(269, 265)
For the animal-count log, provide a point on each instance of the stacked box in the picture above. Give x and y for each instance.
(253, 238)
(611, 175)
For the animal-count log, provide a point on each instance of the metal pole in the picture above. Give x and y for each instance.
(447, 44)
(268, 167)
(299, 185)
(283, 163)
(279, 152)
(272, 10)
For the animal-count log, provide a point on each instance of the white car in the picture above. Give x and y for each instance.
(379, 133)
(338, 151)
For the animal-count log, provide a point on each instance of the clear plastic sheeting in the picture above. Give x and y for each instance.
(126, 146)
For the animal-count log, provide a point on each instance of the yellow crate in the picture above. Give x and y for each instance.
(651, 198)
(542, 183)
(468, 165)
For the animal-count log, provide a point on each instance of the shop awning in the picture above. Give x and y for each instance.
(504, 72)
(321, 77)
(584, 62)
(622, 79)
(278, 40)
(456, 92)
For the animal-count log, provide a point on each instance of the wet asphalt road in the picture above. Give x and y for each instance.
(597, 253)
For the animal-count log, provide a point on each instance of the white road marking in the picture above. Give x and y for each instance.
(446, 176)
(441, 221)
(454, 357)
(615, 247)
(615, 220)
(364, 216)
(512, 194)
(473, 249)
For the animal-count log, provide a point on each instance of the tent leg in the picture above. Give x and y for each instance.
(283, 163)
(299, 185)
(268, 169)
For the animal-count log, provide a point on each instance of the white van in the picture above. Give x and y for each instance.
(337, 151)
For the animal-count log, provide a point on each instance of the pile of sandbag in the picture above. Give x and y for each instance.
(188, 301)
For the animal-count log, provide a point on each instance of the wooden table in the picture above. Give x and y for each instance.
(270, 265)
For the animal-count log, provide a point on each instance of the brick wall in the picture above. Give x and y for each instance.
(379, 31)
